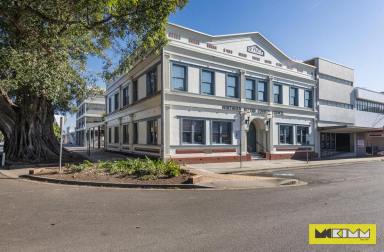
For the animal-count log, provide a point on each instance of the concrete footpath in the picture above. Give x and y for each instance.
(265, 165)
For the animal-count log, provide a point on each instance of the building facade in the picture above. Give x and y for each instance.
(211, 98)
(89, 122)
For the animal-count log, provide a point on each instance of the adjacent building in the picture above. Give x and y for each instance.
(89, 122)
(211, 98)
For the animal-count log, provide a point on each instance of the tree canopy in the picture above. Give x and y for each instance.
(44, 44)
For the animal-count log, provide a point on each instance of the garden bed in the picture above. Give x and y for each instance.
(130, 171)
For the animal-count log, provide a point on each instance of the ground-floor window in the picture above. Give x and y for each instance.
(116, 136)
(152, 130)
(302, 135)
(125, 134)
(135, 133)
(328, 141)
(109, 135)
(286, 134)
(193, 131)
(221, 132)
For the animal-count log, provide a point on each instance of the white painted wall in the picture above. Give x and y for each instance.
(333, 91)
(369, 119)
(285, 95)
(142, 132)
(369, 95)
(193, 79)
(335, 114)
(301, 97)
(220, 84)
(142, 87)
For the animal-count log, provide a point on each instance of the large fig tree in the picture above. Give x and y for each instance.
(44, 46)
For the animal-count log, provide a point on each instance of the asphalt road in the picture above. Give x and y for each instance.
(44, 217)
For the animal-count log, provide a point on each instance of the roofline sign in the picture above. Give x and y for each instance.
(255, 50)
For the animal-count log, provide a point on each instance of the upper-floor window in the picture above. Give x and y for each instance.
(294, 96)
(286, 134)
(262, 90)
(302, 135)
(151, 82)
(374, 107)
(152, 130)
(125, 97)
(116, 101)
(207, 82)
(110, 104)
(250, 87)
(277, 93)
(179, 77)
(193, 131)
(125, 134)
(221, 132)
(134, 91)
(232, 86)
(308, 99)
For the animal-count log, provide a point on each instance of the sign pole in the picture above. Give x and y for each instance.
(241, 144)
(61, 144)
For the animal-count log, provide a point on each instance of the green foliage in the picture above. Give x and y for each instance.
(44, 44)
(141, 168)
(56, 130)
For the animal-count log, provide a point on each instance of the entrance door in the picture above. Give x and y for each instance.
(251, 139)
(343, 142)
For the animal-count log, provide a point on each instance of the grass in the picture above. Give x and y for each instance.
(143, 169)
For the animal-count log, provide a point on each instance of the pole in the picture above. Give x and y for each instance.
(61, 144)
(241, 144)
(307, 156)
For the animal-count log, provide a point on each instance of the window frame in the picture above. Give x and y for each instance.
(236, 88)
(135, 91)
(280, 94)
(308, 102)
(116, 105)
(116, 137)
(185, 79)
(125, 93)
(253, 91)
(202, 82)
(192, 132)
(265, 92)
(296, 98)
(155, 123)
(301, 135)
(292, 137)
(135, 133)
(220, 132)
(125, 129)
(151, 87)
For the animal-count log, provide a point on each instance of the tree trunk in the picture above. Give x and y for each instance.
(28, 129)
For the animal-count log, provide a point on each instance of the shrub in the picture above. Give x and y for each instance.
(141, 168)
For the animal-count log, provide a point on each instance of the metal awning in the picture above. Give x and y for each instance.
(348, 129)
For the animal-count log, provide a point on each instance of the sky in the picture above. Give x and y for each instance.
(349, 32)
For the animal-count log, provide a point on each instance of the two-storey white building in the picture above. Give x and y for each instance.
(208, 98)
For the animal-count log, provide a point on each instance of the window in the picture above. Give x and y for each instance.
(308, 98)
(110, 104)
(368, 106)
(286, 134)
(125, 97)
(207, 82)
(135, 133)
(134, 91)
(116, 136)
(250, 89)
(193, 131)
(151, 82)
(179, 77)
(336, 104)
(116, 101)
(294, 94)
(125, 134)
(221, 132)
(232, 86)
(277, 94)
(262, 91)
(109, 135)
(302, 135)
(152, 130)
